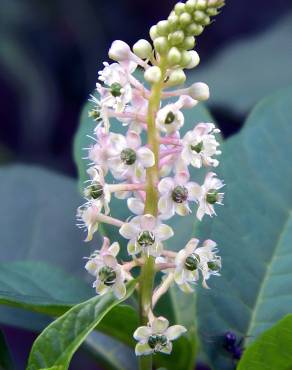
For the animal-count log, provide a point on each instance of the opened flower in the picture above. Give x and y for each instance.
(157, 337)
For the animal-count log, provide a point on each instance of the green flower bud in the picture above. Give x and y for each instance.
(153, 74)
(163, 28)
(199, 91)
(185, 19)
(161, 45)
(128, 156)
(206, 21)
(195, 59)
(189, 43)
(142, 49)
(212, 12)
(176, 38)
(174, 56)
(190, 5)
(176, 77)
(173, 21)
(186, 58)
(201, 4)
(199, 16)
(153, 32)
(195, 29)
(179, 8)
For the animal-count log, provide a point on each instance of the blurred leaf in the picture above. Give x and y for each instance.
(253, 231)
(6, 362)
(272, 350)
(249, 69)
(59, 341)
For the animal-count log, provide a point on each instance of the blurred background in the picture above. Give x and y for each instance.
(51, 51)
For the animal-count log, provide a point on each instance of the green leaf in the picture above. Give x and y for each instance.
(272, 350)
(6, 362)
(245, 71)
(59, 341)
(253, 231)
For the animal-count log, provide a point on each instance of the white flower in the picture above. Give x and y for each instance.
(136, 205)
(119, 51)
(109, 274)
(191, 260)
(97, 192)
(157, 337)
(117, 92)
(199, 145)
(87, 214)
(129, 159)
(210, 195)
(176, 193)
(138, 106)
(169, 119)
(146, 234)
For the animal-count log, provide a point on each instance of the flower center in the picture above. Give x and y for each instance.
(128, 156)
(179, 194)
(146, 239)
(214, 265)
(115, 89)
(95, 114)
(212, 196)
(197, 147)
(192, 261)
(169, 118)
(156, 341)
(107, 275)
(94, 191)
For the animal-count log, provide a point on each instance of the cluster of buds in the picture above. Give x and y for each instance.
(153, 177)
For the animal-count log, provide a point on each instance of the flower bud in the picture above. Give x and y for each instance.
(195, 59)
(153, 32)
(199, 16)
(119, 51)
(189, 43)
(161, 45)
(199, 91)
(179, 8)
(152, 74)
(176, 37)
(174, 56)
(190, 5)
(195, 29)
(143, 49)
(212, 12)
(163, 28)
(173, 21)
(185, 19)
(186, 58)
(176, 77)
(201, 4)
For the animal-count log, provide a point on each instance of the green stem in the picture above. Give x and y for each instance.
(147, 271)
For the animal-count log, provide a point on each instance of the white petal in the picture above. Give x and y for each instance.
(166, 185)
(175, 331)
(119, 290)
(91, 267)
(100, 287)
(114, 249)
(129, 230)
(136, 206)
(132, 248)
(182, 177)
(143, 349)
(166, 207)
(191, 246)
(163, 232)
(110, 260)
(146, 156)
(159, 325)
(194, 191)
(182, 209)
(143, 332)
(148, 222)
(166, 349)
(133, 140)
(179, 276)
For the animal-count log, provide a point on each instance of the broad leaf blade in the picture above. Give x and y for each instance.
(253, 231)
(60, 340)
(272, 350)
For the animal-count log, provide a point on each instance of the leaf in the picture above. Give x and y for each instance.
(6, 362)
(253, 231)
(59, 341)
(240, 74)
(272, 350)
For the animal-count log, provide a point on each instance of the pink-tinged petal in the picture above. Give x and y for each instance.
(191, 246)
(136, 206)
(203, 128)
(166, 349)
(110, 260)
(182, 177)
(133, 140)
(119, 290)
(194, 191)
(166, 207)
(209, 244)
(159, 325)
(146, 157)
(175, 331)
(142, 333)
(114, 249)
(147, 222)
(166, 185)
(200, 212)
(143, 349)
(185, 155)
(163, 232)
(129, 230)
